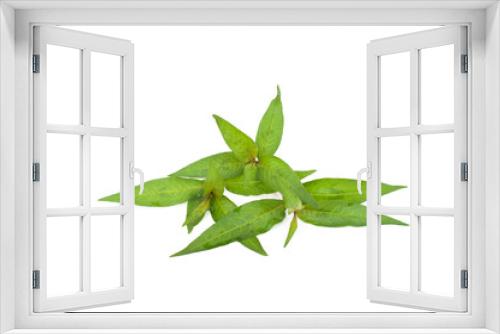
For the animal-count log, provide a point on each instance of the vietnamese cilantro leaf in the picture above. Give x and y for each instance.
(226, 164)
(291, 230)
(341, 215)
(248, 220)
(243, 147)
(196, 209)
(270, 129)
(221, 207)
(163, 192)
(249, 183)
(336, 189)
(277, 175)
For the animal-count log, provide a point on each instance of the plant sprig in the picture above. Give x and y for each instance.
(252, 168)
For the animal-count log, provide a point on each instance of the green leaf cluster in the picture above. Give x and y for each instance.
(252, 168)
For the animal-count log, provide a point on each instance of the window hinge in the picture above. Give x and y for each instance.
(465, 64)
(36, 63)
(36, 172)
(36, 279)
(464, 171)
(464, 279)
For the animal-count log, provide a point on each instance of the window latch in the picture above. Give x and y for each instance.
(133, 171)
(368, 171)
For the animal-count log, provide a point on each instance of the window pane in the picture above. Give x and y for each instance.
(395, 169)
(63, 256)
(105, 155)
(437, 257)
(63, 170)
(105, 90)
(395, 90)
(395, 254)
(437, 85)
(63, 85)
(105, 252)
(437, 173)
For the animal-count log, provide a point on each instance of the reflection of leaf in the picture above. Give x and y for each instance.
(276, 174)
(248, 220)
(196, 209)
(340, 216)
(221, 207)
(291, 230)
(166, 191)
(226, 164)
(242, 146)
(270, 128)
(249, 183)
(326, 189)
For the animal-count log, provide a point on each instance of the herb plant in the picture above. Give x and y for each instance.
(251, 168)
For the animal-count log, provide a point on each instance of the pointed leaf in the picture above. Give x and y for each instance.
(162, 192)
(248, 220)
(270, 128)
(342, 189)
(226, 163)
(221, 207)
(341, 216)
(291, 230)
(196, 209)
(276, 174)
(242, 146)
(302, 174)
(253, 243)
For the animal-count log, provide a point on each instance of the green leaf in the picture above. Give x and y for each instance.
(253, 243)
(276, 174)
(163, 192)
(226, 163)
(291, 230)
(221, 207)
(214, 184)
(327, 189)
(242, 146)
(249, 184)
(248, 220)
(270, 130)
(302, 174)
(341, 216)
(196, 209)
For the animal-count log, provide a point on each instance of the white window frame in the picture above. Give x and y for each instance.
(16, 20)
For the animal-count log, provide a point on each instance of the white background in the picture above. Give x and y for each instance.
(183, 75)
